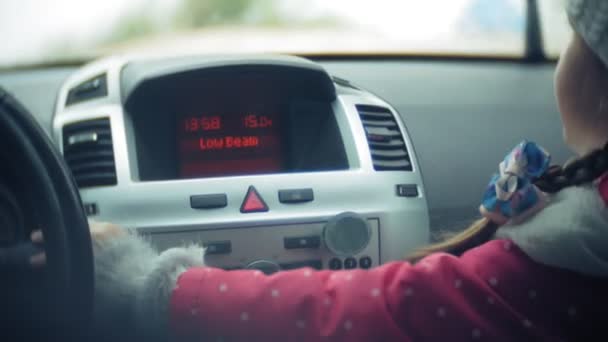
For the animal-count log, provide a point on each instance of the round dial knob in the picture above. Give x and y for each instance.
(266, 266)
(347, 234)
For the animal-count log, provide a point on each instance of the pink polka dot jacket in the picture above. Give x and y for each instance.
(494, 292)
(545, 279)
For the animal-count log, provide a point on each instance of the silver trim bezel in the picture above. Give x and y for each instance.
(163, 206)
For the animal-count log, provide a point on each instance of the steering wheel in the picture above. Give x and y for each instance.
(37, 191)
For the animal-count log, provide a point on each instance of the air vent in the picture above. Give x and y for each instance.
(386, 143)
(87, 149)
(93, 88)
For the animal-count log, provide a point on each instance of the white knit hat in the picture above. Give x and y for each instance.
(590, 19)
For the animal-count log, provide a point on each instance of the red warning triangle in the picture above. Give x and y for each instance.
(253, 202)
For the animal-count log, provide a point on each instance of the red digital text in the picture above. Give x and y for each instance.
(228, 142)
(205, 123)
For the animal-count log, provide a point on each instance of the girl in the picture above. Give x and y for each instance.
(523, 272)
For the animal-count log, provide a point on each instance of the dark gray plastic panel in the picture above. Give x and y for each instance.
(310, 76)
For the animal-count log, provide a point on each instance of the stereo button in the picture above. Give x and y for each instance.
(218, 247)
(407, 190)
(335, 264)
(296, 196)
(214, 201)
(302, 242)
(365, 262)
(350, 263)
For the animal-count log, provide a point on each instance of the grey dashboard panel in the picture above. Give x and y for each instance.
(462, 117)
(37, 90)
(136, 73)
(379, 157)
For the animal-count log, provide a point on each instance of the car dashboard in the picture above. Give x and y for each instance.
(268, 161)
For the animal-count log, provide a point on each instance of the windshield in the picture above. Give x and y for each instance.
(44, 31)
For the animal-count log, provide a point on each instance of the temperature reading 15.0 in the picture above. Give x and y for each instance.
(257, 121)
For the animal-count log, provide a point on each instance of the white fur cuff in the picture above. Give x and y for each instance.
(152, 308)
(121, 266)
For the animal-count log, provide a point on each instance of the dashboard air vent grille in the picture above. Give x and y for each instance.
(93, 88)
(88, 151)
(386, 143)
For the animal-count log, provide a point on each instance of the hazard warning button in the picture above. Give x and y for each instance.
(253, 202)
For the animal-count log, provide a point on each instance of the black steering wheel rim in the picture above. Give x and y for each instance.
(59, 211)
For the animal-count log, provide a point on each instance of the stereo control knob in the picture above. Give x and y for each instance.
(347, 234)
(266, 266)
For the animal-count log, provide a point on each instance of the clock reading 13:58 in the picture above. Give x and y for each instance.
(204, 123)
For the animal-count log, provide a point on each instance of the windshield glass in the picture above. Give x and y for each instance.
(41, 31)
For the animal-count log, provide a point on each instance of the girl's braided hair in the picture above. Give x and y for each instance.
(578, 172)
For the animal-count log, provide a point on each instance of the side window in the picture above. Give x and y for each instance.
(555, 27)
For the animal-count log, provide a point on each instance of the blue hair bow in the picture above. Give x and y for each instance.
(511, 192)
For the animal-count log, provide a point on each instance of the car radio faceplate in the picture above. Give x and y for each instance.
(287, 246)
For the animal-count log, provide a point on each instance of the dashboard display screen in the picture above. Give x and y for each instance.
(234, 121)
(220, 143)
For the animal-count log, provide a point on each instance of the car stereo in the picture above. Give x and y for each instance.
(267, 160)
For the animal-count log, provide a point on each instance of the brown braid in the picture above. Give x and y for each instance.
(578, 172)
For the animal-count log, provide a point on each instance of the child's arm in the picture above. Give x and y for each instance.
(440, 298)
(494, 292)
(165, 294)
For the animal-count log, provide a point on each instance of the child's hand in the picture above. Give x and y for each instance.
(102, 231)
(37, 260)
